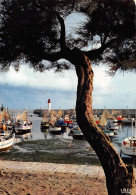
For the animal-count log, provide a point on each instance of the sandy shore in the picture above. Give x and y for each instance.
(26, 178)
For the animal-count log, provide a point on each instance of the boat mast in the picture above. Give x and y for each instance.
(135, 123)
(132, 129)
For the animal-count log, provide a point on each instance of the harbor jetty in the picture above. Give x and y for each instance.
(125, 112)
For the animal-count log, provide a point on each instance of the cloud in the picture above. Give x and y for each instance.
(48, 80)
(27, 88)
(102, 82)
(113, 92)
(65, 81)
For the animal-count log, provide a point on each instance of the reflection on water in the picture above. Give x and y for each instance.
(23, 136)
(43, 146)
(49, 135)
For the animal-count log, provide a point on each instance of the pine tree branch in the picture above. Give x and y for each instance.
(96, 53)
(63, 33)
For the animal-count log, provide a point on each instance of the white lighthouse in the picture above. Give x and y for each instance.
(49, 104)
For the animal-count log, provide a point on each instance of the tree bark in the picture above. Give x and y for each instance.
(118, 175)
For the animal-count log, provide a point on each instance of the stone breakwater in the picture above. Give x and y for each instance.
(124, 112)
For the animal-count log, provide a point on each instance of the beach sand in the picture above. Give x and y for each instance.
(32, 178)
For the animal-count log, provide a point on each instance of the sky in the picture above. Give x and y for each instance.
(28, 89)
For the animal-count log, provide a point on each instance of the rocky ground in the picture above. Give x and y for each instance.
(26, 178)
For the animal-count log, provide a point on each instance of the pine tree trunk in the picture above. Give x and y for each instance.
(118, 176)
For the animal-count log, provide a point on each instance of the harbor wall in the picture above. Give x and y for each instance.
(125, 112)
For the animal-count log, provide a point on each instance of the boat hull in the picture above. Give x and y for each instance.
(129, 146)
(2, 150)
(112, 128)
(23, 128)
(44, 127)
(57, 130)
(6, 144)
(130, 151)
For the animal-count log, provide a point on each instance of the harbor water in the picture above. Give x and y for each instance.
(42, 146)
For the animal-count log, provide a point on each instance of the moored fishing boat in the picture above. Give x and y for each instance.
(22, 122)
(111, 117)
(129, 144)
(5, 120)
(104, 126)
(120, 118)
(52, 127)
(77, 133)
(6, 141)
(126, 121)
(97, 119)
(110, 133)
(55, 130)
(67, 120)
(117, 115)
(22, 135)
(60, 123)
(45, 122)
(112, 126)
